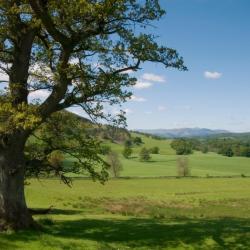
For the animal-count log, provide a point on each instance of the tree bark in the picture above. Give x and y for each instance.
(14, 213)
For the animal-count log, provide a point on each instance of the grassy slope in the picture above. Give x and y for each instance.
(139, 214)
(164, 164)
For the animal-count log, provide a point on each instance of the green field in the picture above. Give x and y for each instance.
(202, 165)
(144, 213)
(138, 214)
(164, 164)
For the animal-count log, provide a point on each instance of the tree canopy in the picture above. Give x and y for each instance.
(76, 53)
(79, 53)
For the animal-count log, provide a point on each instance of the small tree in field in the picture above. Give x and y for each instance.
(115, 164)
(145, 154)
(183, 169)
(127, 151)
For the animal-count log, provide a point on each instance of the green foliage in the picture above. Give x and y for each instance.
(204, 149)
(64, 132)
(245, 151)
(235, 145)
(226, 151)
(154, 150)
(105, 149)
(55, 159)
(114, 163)
(137, 140)
(127, 151)
(21, 116)
(128, 143)
(182, 146)
(145, 154)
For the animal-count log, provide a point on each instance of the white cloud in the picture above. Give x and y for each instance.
(161, 108)
(212, 75)
(153, 77)
(129, 71)
(142, 85)
(147, 80)
(137, 99)
(128, 111)
(39, 94)
(115, 111)
(74, 61)
(4, 77)
(148, 112)
(77, 111)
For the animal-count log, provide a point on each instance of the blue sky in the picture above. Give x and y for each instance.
(213, 37)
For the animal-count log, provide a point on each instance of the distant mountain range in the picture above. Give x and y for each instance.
(183, 132)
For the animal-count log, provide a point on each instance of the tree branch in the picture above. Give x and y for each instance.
(39, 7)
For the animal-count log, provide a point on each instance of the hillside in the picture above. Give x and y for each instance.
(165, 163)
(183, 132)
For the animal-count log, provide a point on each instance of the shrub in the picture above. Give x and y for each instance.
(128, 143)
(127, 151)
(105, 149)
(145, 154)
(226, 151)
(204, 149)
(154, 150)
(137, 140)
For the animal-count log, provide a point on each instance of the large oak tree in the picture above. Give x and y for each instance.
(80, 52)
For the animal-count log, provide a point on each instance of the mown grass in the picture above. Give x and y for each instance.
(138, 214)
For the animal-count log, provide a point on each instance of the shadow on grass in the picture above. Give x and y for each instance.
(55, 211)
(159, 161)
(227, 233)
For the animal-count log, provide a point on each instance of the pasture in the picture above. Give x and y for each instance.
(138, 214)
(144, 213)
(164, 163)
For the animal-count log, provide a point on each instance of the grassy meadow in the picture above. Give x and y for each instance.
(164, 164)
(138, 214)
(144, 213)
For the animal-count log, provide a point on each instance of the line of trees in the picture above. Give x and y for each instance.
(225, 146)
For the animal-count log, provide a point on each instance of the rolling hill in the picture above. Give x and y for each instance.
(183, 132)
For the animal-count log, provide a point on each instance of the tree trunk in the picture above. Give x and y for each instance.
(14, 213)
